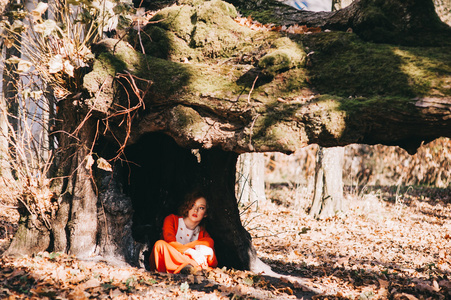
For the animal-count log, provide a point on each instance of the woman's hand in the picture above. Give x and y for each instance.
(197, 256)
(206, 251)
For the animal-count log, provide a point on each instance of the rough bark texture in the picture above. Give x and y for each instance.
(74, 226)
(32, 236)
(328, 194)
(82, 223)
(115, 236)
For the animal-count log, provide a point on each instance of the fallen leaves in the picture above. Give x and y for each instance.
(60, 276)
(293, 29)
(376, 251)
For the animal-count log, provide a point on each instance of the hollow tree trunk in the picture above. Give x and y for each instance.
(232, 242)
(328, 195)
(161, 173)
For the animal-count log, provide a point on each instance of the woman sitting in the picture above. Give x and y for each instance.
(187, 247)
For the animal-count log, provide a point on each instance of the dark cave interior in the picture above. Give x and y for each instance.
(158, 173)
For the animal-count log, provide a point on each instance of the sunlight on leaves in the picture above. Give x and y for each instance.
(184, 287)
(40, 9)
(24, 66)
(55, 64)
(103, 164)
(47, 28)
(248, 281)
(89, 161)
(68, 68)
(18, 26)
(13, 60)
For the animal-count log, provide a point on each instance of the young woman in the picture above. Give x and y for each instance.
(186, 246)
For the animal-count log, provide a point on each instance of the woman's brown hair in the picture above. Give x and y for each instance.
(188, 203)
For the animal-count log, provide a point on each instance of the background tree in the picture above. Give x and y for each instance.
(11, 45)
(328, 192)
(251, 179)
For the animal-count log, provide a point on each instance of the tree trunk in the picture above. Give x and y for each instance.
(82, 224)
(5, 167)
(382, 21)
(31, 237)
(10, 86)
(74, 227)
(251, 178)
(232, 242)
(328, 194)
(161, 173)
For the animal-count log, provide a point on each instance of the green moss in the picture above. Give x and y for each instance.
(178, 19)
(285, 55)
(264, 16)
(350, 74)
(187, 120)
(428, 69)
(167, 77)
(217, 82)
(156, 42)
(190, 2)
(262, 11)
(359, 104)
(216, 33)
(195, 32)
(286, 85)
(106, 65)
(227, 8)
(345, 66)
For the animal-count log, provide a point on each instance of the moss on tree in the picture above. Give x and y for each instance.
(284, 91)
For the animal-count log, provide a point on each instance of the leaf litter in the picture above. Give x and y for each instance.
(379, 249)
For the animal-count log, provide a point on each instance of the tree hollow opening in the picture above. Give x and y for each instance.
(158, 176)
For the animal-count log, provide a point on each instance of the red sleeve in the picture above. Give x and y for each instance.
(170, 230)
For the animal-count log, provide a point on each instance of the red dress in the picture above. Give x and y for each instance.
(167, 255)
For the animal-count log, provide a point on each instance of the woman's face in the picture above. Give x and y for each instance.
(198, 211)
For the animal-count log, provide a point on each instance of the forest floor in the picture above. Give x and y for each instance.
(390, 244)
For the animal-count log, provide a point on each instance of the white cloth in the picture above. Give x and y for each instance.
(207, 251)
(185, 235)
